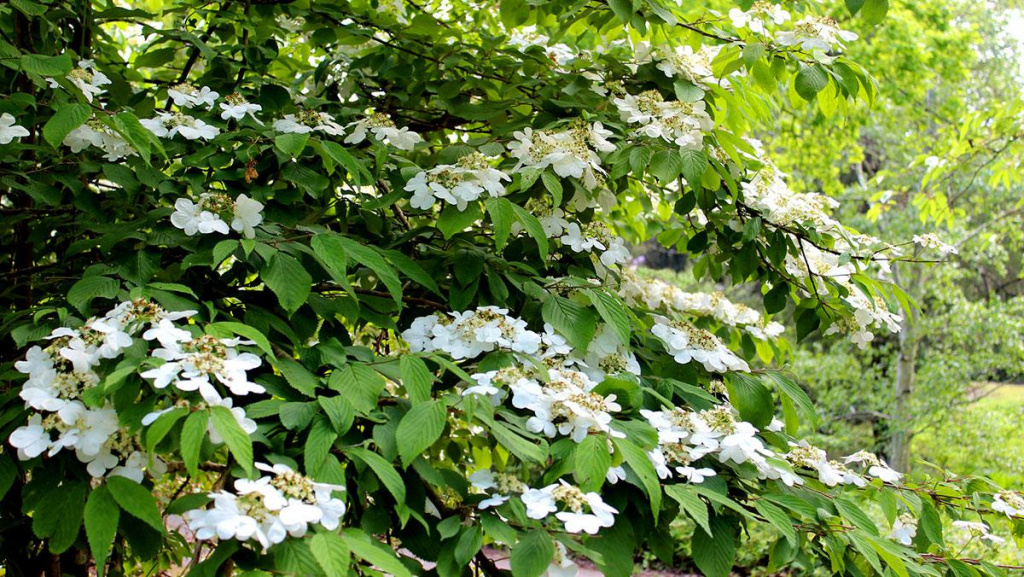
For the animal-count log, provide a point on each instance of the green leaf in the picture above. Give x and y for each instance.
(502, 216)
(554, 186)
(775, 299)
(382, 468)
(810, 80)
(339, 411)
(374, 553)
(691, 503)
(359, 384)
(374, 261)
(751, 397)
(470, 542)
(341, 156)
(29, 8)
(638, 460)
(101, 514)
(164, 423)
(874, 11)
(517, 445)
(533, 228)
(227, 329)
(612, 311)
(298, 376)
(694, 163)
(715, 555)
(778, 518)
(571, 319)
(453, 221)
(419, 428)
(592, 461)
(237, 440)
(532, 554)
(85, 290)
(136, 500)
(46, 65)
(192, 435)
(416, 378)
(289, 281)
(292, 143)
(623, 10)
(66, 119)
(318, 445)
(666, 165)
(854, 6)
(330, 552)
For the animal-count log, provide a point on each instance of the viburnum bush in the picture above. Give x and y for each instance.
(344, 287)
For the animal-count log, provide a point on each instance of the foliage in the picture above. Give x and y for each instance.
(257, 253)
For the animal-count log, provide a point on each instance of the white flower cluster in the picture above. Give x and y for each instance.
(308, 121)
(932, 241)
(661, 296)
(867, 313)
(565, 404)
(681, 62)
(562, 402)
(580, 512)
(596, 236)
(9, 129)
(196, 363)
(758, 16)
(527, 36)
(570, 153)
(685, 436)
(205, 216)
(95, 133)
(59, 376)
(170, 124)
(186, 95)
(768, 192)
(687, 343)
(383, 129)
(679, 122)
(981, 530)
(86, 78)
(458, 184)
(269, 509)
(467, 334)
(1009, 503)
(816, 35)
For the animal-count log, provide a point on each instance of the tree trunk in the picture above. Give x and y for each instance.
(900, 424)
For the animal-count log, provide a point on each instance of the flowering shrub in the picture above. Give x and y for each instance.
(345, 286)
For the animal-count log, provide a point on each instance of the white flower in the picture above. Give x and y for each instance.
(756, 17)
(570, 153)
(539, 502)
(86, 78)
(248, 215)
(1009, 503)
(236, 109)
(687, 343)
(188, 96)
(561, 565)
(615, 474)
(457, 184)
(695, 475)
(904, 528)
(97, 134)
(384, 130)
(227, 520)
(308, 121)
(493, 501)
(883, 472)
(192, 219)
(816, 35)
(932, 240)
(32, 439)
(167, 125)
(9, 130)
